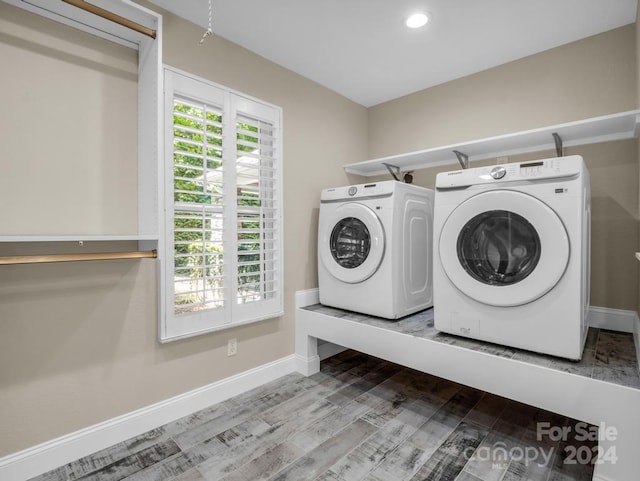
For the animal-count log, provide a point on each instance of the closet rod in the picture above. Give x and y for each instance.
(113, 17)
(99, 256)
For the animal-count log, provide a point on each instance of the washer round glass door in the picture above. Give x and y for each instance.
(504, 248)
(351, 242)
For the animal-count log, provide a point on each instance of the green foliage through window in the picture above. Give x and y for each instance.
(199, 175)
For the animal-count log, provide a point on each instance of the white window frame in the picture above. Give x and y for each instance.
(178, 326)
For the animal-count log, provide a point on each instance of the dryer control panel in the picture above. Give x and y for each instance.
(374, 190)
(358, 191)
(569, 166)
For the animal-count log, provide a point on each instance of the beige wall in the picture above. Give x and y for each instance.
(78, 340)
(67, 105)
(589, 78)
(595, 76)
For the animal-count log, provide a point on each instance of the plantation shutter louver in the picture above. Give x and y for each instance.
(198, 207)
(224, 251)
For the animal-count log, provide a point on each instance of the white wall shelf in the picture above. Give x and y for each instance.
(77, 238)
(624, 125)
(88, 242)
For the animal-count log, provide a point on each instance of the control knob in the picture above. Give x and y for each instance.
(498, 172)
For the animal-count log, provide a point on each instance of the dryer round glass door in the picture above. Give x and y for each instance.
(504, 248)
(351, 243)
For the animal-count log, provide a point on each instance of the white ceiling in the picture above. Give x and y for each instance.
(362, 50)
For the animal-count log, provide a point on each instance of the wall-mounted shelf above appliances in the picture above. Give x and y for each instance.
(624, 125)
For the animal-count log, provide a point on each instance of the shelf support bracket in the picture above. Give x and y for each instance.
(394, 170)
(462, 158)
(559, 147)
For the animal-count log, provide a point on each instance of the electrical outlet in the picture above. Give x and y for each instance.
(232, 347)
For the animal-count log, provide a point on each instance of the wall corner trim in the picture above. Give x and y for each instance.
(57, 452)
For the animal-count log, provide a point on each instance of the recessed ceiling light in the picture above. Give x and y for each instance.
(416, 20)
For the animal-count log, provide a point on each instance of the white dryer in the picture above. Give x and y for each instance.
(512, 253)
(374, 248)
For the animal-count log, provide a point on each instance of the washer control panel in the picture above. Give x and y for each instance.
(360, 191)
(532, 169)
(523, 171)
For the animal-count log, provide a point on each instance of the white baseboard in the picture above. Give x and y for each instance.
(307, 298)
(612, 319)
(57, 452)
(307, 366)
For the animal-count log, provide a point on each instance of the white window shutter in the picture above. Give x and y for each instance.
(224, 208)
(258, 215)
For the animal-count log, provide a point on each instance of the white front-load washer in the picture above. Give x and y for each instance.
(375, 248)
(512, 254)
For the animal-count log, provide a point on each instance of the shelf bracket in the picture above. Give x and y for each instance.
(558, 141)
(394, 170)
(462, 158)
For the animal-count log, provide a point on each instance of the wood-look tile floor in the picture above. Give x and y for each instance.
(359, 418)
